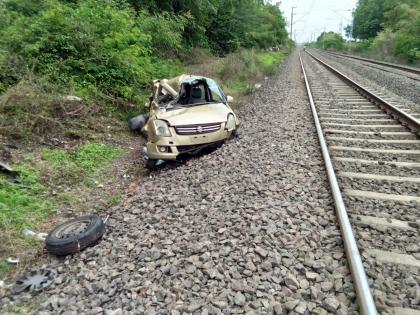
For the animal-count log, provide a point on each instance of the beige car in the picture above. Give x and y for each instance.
(186, 114)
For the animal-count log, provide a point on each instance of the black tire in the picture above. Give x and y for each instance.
(136, 123)
(75, 235)
(151, 164)
(235, 133)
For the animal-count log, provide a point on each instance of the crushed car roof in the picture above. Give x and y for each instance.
(176, 82)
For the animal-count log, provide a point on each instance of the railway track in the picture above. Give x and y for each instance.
(372, 153)
(409, 72)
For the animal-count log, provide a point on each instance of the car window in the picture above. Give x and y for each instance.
(200, 91)
(216, 93)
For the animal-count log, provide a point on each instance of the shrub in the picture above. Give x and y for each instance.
(407, 46)
(92, 44)
(165, 30)
(331, 40)
(361, 47)
(383, 45)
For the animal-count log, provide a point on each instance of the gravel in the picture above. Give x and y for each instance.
(390, 170)
(249, 228)
(404, 92)
(384, 186)
(394, 286)
(383, 238)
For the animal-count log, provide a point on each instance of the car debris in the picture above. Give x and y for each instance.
(34, 235)
(75, 235)
(72, 98)
(35, 280)
(27, 187)
(12, 261)
(186, 114)
(146, 157)
(5, 168)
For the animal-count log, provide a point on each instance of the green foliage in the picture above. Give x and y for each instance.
(269, 61)
(4, 267)
(330, 40)
(166, 31)
(361, 46)
(89, 157)
(383, 44)
(368, 18)
(114, 198)
(391, 27)
(91, 44)
(248, 24)
(115, 47)
(241, 70)
(26, 203)
(22, 204)
(92, 155)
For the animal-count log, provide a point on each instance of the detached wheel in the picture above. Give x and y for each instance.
(75, 235)
(136, 123)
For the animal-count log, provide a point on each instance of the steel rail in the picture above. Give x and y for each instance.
(380, 63)
(364, 296)
(403, 117)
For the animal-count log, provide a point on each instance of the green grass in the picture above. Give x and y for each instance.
(28, 203)
(23, 204)
(239, 86)
(92, 156)
(269, 61)
(114, 199)
(88, 157)
(4, 267)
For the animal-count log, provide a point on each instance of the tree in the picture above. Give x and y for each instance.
(330, 40)
(368, 18)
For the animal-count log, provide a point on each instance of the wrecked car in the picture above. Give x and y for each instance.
(186, 114)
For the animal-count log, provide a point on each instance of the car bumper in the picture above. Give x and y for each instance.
(180, 144)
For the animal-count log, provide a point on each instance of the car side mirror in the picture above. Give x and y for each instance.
(229, 99)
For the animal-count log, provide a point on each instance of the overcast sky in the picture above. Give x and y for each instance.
(312, 17)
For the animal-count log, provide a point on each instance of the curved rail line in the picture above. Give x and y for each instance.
(405, 118)
(364, 295)
(380, 63)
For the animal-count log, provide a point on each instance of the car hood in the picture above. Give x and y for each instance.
(199, 114)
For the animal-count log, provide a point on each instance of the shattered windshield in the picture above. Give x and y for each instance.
(197, 91)
(215, 90)
(193, 91)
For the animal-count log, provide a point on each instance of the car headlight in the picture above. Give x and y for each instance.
(230, 124)
(161, 128)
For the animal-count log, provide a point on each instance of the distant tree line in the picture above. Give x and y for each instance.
(388, 28)
(330, 40)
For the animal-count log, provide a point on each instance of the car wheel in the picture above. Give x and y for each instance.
(75, 235)
(235, 133)
(136, 123)
(150, 164)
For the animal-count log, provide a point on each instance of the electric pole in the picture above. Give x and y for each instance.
(291, 24)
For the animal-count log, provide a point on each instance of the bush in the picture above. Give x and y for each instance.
(331, 40)
(166, 31)
(92, 44)
(361, 47)
(241, 70)
(407, 46)
(36, 108)
(382, 46)
(390, 27)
